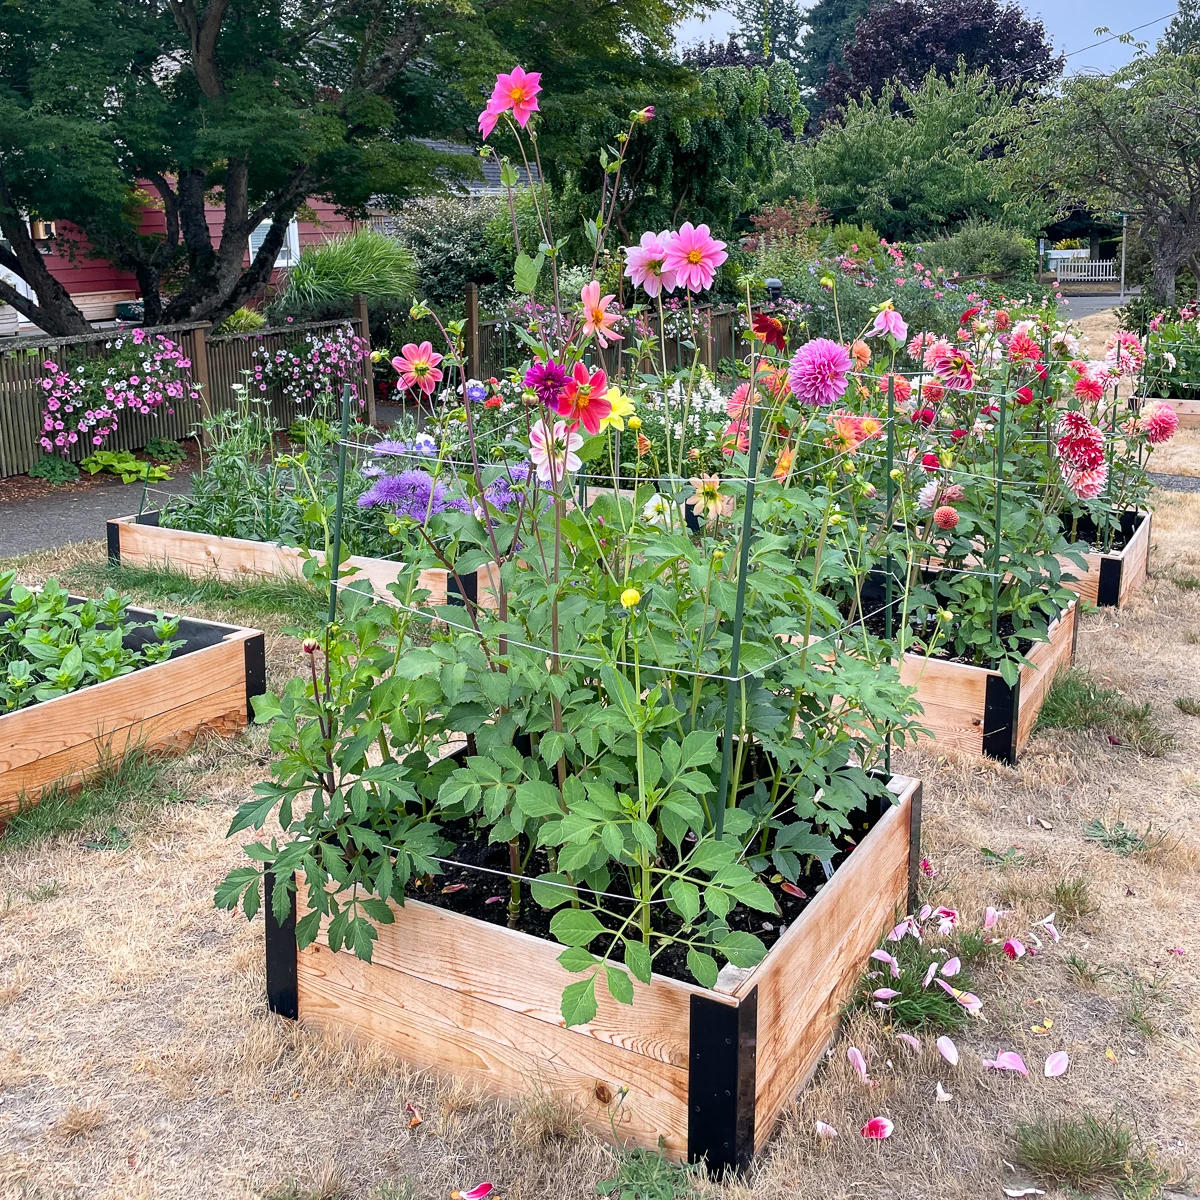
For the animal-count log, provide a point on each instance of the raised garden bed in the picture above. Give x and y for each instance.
(706, 1071)
(207, 683)
(140, 541)
(974, 709)
(1112, 576)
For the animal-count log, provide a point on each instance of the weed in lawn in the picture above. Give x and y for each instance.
(544, 1118)
(1073, 898)
(971, 946)
(1122, 839)
(399, 1189)
(43, 891)
(1186, 583)
(327, 1183)
(1078, 701)
(1085, 974)
(1088, 1154)
(916, 1006)
(1010, 857)
(130, 784)
(1188, 705)
(646, 1175)
(1147, 997)
(1192, 638)
(260, 599)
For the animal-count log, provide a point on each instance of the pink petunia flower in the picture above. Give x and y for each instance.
(694, 255)
(644, 263)
(517, 92)
(597, 319)
(553, 450)
(417, 367)
(818, 371)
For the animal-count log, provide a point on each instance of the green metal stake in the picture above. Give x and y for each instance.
(347, 394)
(739, 610)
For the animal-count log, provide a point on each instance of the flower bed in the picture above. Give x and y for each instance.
(707, 1070)
(1111, 576)
(207, 683)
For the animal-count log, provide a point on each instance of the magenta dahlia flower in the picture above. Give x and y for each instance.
(694, 255)
(1080, 443)
(547, 379)
(516, 90)
(818, 371)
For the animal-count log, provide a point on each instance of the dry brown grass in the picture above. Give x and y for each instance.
(136, 995)
(1179, 456)
(79, 1121)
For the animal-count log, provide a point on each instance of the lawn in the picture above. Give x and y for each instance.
(138, 1058)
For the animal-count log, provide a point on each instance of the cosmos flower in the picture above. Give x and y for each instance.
(516, 91)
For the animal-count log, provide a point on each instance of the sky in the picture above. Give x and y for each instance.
(1070, 23)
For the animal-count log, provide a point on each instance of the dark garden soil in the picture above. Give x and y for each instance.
(1085, 531)
(469, 886)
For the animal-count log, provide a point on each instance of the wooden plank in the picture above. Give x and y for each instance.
(1048, 659)
(1135, 561)
(951, 696)
(506, 1053)
(519, 972)
(1086, 584)
(173, 730)
(811, 971)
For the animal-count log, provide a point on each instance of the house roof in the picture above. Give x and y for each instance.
(490, 184)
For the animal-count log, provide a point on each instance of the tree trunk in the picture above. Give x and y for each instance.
(1162, 282)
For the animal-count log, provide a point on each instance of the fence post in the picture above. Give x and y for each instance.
(200, 372)
(472, 366)
(363, 317)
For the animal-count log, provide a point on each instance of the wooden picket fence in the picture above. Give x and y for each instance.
(218, 363)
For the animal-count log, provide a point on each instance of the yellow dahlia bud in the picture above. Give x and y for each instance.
(630, 598)
(634, 423)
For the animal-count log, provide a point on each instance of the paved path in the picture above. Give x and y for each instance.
(1175, 483)
(1079, 307)
(65, 517)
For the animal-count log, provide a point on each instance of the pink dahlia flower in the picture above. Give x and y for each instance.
(1124, 354)
(889, 323)
(644, 263)
(1158, 422)
(597, 319)
(738, 404)
(955, 369)
(1080, 443)
(818, 370)
(1086, 482)
(517, 92)
(488, 118)
(1088, 387)
(417, 367)
(553, 450)
(919, 344)
(1022, 348)
(694, 255)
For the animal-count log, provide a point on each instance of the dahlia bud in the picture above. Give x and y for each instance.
(945, 616)
(634, 423)
(644, 115)
(1024, 395)
(946, 517)
(311, 645)
(896, 474)
(630, 598)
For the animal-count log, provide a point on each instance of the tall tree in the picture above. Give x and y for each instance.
(910, 160)
(1127, 142)
(904, 40)
(1183, 33)
(831, 25)
(772, 28)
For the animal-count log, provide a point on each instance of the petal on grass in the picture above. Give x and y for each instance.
(885, 993)
(933, 970)
(824, 1131)
(948, 1050)
(481, 1191)
(855, 1058)
(1008, 1060)
(884, 957)
(911, 1042)
(951, 967)
(941, 1095)
(877, 1127)
(1057, 1064)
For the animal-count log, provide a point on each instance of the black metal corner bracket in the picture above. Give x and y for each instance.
(1108, 591)
(914, 847)
(256, 671)
(282, 987)
(1001, 704)
(112, 532)
(469, 592)
(723, 1046)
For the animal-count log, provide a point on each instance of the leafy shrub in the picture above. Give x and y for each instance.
(981, 248)
(51, 645)
(54, 470)
(242, 320)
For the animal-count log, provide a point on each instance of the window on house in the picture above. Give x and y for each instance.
(289, 252)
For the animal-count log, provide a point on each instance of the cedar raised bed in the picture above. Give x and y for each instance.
(706, 1071)
(1111, 577)
(141, 542)
(208, 683)
(974, 709)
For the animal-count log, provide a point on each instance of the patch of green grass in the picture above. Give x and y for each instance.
(1010, 857)
(1078, 701)
(1123, 839)
(1187, 583)
(647, 1175)
(1147, 997)
(1073, 898)
(1188, 705)
(131, 786)
(1089, 1154)
(399, 1189)
(263, 600)
(1086, 974)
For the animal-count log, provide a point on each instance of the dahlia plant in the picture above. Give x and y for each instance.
(660, 721)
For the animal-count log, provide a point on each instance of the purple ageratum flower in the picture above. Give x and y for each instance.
(818, 371)
(413, 494)
(476, 392)
(422, 445)
(547, 379)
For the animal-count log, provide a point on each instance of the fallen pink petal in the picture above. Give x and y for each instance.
(1179, 950)
(911, 1042)
(479, 1192)
(1008, 1060)
(824, 1131)
(951, 967)
(990, 917)
(885, 993)
(1013, 949)
(925, 912)
(968, 1000)
(947, 920)
(941, 1095)
(948, 1050)
(884, 957)
(877, 1127)
(933, 970)
(855, 1058)
(1057, 1064)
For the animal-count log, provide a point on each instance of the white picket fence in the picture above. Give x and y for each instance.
(1087, 270)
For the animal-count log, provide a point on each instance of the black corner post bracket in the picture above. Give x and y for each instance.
(282, 987)
(722, 1053)
(1001, 704)
(1108, 591)
(914, 847)
(112, 532)
(468, 594)
(256, 671)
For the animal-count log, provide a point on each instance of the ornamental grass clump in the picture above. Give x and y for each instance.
(659, 732)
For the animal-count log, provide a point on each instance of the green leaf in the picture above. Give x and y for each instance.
(545, 892)
(526, 271)
(742, 949)
(575, 926)
(703, 967)
(576, 958)
(537, 799)
(687, 899)
(579, 1002)
(637, 959)
(620, 986)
